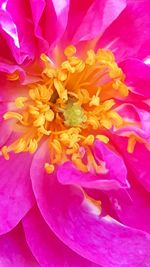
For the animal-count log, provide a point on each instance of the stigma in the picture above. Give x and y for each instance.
(71, 106)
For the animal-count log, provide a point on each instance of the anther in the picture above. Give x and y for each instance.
(49, 168)
(70, 51)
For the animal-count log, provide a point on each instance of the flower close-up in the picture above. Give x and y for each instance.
(74, 133)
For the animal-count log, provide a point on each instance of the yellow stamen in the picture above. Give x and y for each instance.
(33, 146)
(76, 159)
(71, 106)
(62, 92)
(70, 51)
(102, 138)
(13, 76)
(92, 164)
(5, 152)
(19, 101)
(89, 140)
(95, 205)
(131, 144)
(12, 115)
(95, 101)
(49, 168)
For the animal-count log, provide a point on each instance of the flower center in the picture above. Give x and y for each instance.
(74, 115)
(72, 105)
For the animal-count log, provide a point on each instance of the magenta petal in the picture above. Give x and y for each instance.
(132, 206)
(137, 162)
(137, 76)
(69, 174)
(114, 178)
(18, 28)
(37, 8)
(9, 31)
(46, 247)
(16, 195)
(139, 117)
(9, 68)
(99, 239)
(14, 251)
(90, 19)
(114, 163)
(58, 19)
(9, 90)
(50, 18)
(129, 32)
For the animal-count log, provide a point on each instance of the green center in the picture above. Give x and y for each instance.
(74, 115)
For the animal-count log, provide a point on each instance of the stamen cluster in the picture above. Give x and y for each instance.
(72, 105)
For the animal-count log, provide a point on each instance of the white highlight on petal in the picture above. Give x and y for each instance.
(59, 5)
(147, 60)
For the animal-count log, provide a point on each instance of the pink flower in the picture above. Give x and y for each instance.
(74, 133)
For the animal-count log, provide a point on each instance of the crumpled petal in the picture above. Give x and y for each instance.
(140, 122)
(137, 162)
(17, 26)
(132, 205)
(50, 19)
(129, 31)
(68, 214)
(114, 178)
(14, 250)
(137, 76)
(10, 68)
(46, 247)
(16, 196)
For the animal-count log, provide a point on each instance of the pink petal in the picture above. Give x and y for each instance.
(90, 18)
(137, 162)
(139, 117)
(50, 18)
(114, 163)
(133, 205)
(16, 195)
(9, 31)
(10, 68)
(10, 90)
(69, 174)
(14, 250)
(129, 31)
(113, 179)
(137, 76)
(46, 247)
(5, 52)
(18, 29)
(99, 239)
